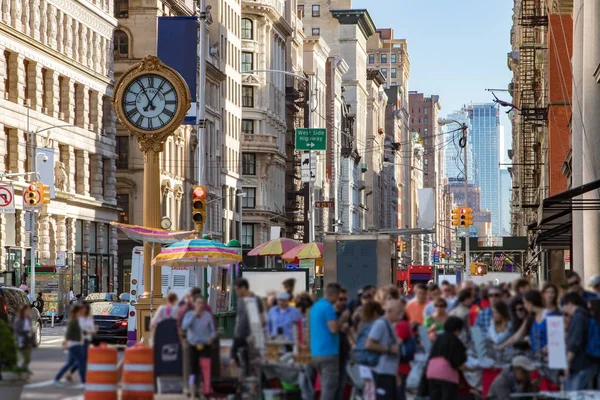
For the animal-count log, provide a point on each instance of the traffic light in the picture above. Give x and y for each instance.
(31, 195)
(199, 206)
(469, 216)
(478, 269)
(455, 216)
(463, 217)
(403, 246)
(473, 269)
(44, 191)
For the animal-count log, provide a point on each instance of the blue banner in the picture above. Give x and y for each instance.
(177, 48)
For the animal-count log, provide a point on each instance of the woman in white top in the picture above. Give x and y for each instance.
(88, 328)
(168, 310)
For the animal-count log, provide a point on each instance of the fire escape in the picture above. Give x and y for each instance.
(532, 102)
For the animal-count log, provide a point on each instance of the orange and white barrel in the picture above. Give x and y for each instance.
(101, 378)
(138, 373)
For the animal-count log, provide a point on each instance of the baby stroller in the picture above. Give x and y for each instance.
(356, 381)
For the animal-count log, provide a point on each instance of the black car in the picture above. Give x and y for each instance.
(111, 319)
(11, 300)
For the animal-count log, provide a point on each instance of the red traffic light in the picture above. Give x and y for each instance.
(199, 192)
(31, 187)
(463, 210)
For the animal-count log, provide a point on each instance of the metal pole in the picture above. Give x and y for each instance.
(310, 181)
(32, 233)
(467, 237)
(200, 96)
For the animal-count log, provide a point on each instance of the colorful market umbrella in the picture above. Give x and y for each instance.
(274, 247)
(151, 235)
(197, 252)
(307, 251)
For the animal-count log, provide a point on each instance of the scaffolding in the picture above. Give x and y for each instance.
(532, 102)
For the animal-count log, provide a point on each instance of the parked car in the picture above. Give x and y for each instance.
(112, 321)
(11, 300)
(101, 297)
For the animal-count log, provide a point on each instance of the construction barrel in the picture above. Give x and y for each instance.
(138, 373)
(101, 376)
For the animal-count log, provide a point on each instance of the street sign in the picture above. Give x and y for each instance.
(61, 259)
(311, 139)
(309, 167)
(325, 204)
(7, 199)
(28, 220)
(434, 244)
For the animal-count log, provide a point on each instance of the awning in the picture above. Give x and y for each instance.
(555, 224)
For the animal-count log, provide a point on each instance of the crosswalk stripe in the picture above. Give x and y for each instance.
(41, 384)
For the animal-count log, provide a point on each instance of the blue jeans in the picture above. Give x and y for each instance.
(85, 346)
(342, 380)
(402, 388)
(579, 380)
(76, 358)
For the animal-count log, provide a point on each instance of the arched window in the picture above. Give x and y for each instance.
(247, 29)
(121, 44)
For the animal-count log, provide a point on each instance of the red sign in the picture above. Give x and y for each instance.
(324, 204)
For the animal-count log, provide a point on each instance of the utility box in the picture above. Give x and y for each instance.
(354, 261)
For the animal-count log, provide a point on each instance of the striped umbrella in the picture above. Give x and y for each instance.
(307, 251)
(151, 235)
(197, 252)
(274, 247)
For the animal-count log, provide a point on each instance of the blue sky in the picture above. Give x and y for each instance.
(457, 48)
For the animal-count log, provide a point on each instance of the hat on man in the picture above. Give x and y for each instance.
(283, 296)
(594, 281)
(522, 362)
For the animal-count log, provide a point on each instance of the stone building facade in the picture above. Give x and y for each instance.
(56, 64)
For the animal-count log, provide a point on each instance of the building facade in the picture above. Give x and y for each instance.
(56, 64)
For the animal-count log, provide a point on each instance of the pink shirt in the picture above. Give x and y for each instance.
(439, 368)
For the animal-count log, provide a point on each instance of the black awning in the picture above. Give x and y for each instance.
(555, 225)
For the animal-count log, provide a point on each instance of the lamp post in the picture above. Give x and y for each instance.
(463, 143)
(311, 213)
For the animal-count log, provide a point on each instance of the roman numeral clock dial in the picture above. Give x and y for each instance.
(150, 102)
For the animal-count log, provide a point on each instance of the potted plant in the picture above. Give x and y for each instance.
(11, 375)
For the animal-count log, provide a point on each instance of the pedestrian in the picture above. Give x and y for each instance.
(581, 367)
(383, 340)
(29, 296)
(404, 331)
(341, 305)
(23, 286)
(371, 311)
(518, 313)
(366, 297)
(593, 341)
(74, 344)
(39, 303)
(500, 327)
(289, 286)
(433, 293)
(242, 349)
(200, 335)
(415, 309)
(24, 335)
(534, 324)
(515, 379)
(550, 297)
(447, 359)
(594, 283)
(462, 310)
(435, 322)
(88, 328)
(282, 318)
(165, 311)
(484, 317)
(386, 293)
(71, 294)
(574, 285)
(449, 295)
(186, 304)
(325, 339)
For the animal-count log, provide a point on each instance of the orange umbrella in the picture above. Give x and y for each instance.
(307, 251)
(274, 247)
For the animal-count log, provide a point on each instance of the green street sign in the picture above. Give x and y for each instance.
(311, 139)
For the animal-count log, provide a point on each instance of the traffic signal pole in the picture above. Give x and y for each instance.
(32, 232)
(467, 236)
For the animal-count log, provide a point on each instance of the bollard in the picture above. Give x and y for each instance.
(138, 373)
(52, 319)
(101, 378)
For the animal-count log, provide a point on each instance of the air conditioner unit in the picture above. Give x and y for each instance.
(44, 110)
(61, 115)
(103, 132)
(364, 167)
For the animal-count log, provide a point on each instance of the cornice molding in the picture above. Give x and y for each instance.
(362, 18)
(89, 14)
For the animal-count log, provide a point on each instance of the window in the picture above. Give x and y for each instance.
(316, 11)
(249, 201)
(384, 72)
(6, 72)
(300, 12)
(121, 44)
(393, 58)
(123, 203)
(425, 110)
(425, 131)
(247, 61)
(384, 58)
(121, 8)
(247, 29)
(248, 235)
(248, 126)
(248, 164)
(425, 121)
(247, 96)
(393, 72)
(122, 152)
(316, 31)
(371, 58)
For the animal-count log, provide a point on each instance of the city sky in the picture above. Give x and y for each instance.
(457, 49)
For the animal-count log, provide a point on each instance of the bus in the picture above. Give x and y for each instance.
(178, 280)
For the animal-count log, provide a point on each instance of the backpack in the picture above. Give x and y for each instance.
(408, 350)
(592, 347)
(363, 356)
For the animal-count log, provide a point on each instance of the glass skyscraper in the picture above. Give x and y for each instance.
(454, 153)
(485, 134)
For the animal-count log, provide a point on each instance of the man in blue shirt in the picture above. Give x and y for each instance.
(484, 318)
(574, 285)
(325, 339)
(282, 318)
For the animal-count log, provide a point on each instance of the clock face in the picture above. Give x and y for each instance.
(150, 102)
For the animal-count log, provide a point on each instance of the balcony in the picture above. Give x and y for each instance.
(256, 143)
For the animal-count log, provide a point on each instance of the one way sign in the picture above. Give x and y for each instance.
(309, 167)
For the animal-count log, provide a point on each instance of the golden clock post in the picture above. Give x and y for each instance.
(151, 100)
